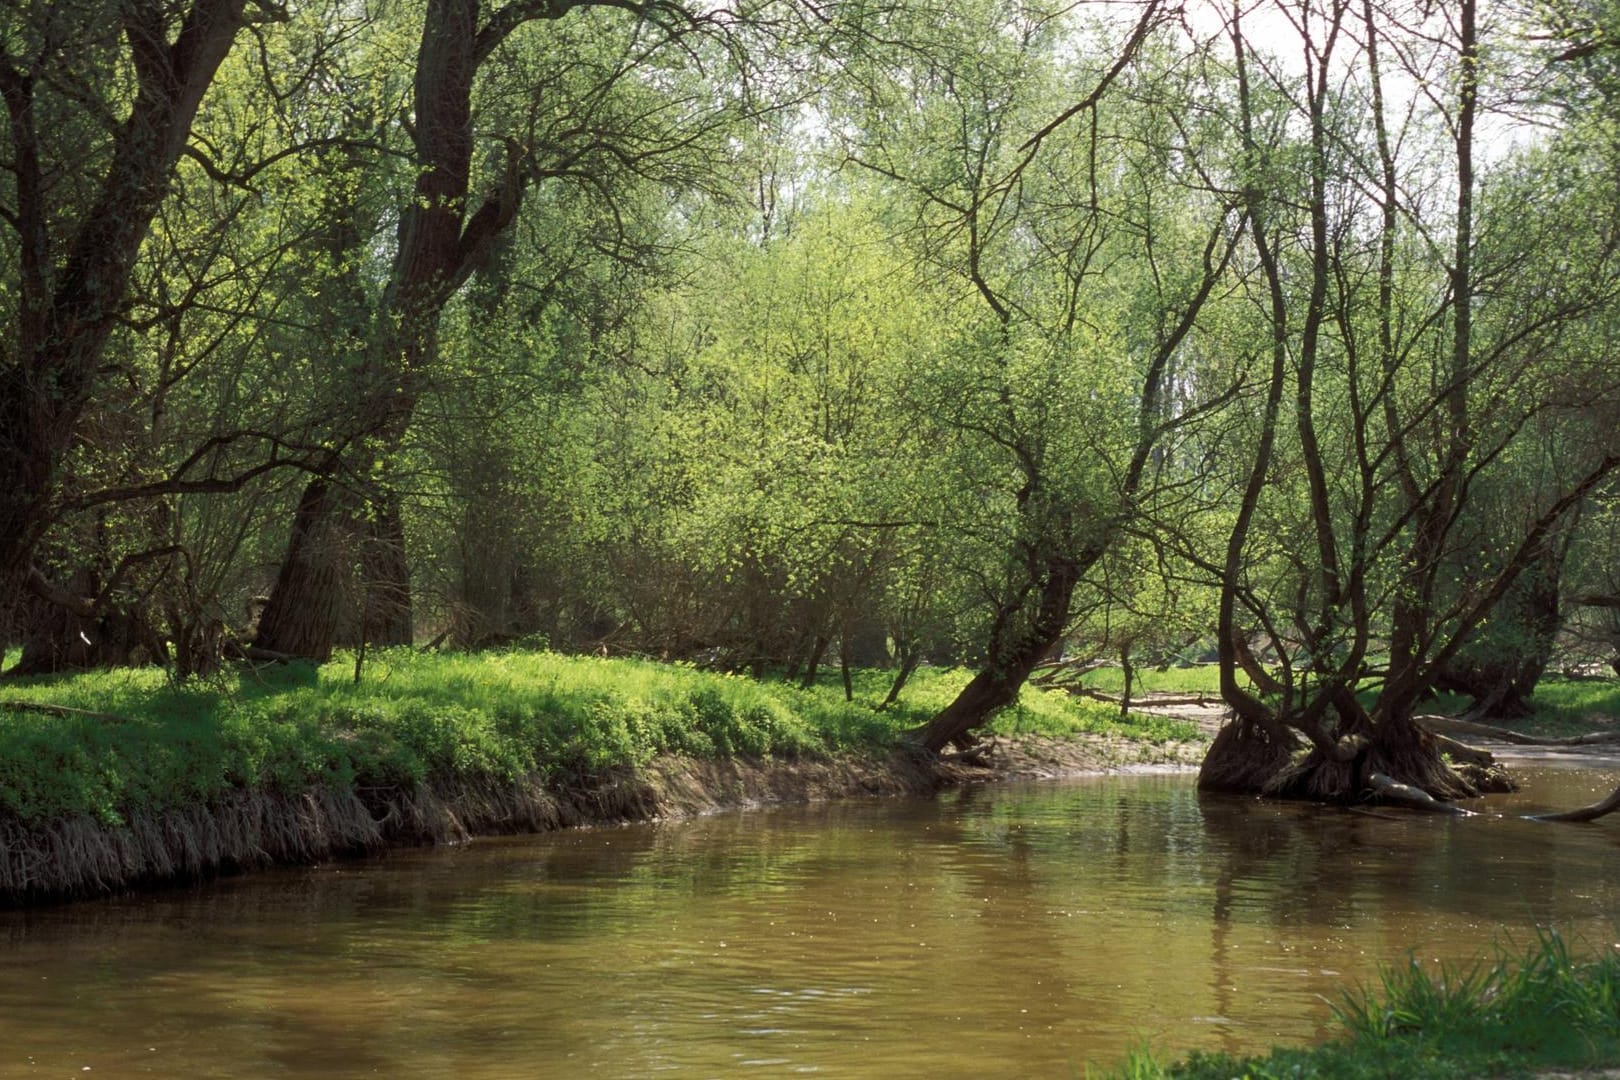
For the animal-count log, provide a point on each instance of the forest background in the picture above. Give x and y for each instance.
(879, 333)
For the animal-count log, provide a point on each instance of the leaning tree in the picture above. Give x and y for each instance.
(1082, 242)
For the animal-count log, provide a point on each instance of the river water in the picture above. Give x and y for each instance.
(999, 931)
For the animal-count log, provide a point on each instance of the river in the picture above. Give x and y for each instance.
(996, 931)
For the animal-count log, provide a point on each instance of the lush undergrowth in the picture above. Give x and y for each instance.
(1177, 679)
(1571, 706)
(1540, 1009)
(416, 718)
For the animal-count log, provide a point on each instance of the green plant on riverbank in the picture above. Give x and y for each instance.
(1541, 1009)
(144, 744)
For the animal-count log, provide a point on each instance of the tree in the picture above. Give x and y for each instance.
(460, 207)
(1405, 325)
(99, 106)
(1088, 242)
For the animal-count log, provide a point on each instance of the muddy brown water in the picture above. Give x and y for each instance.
(998, 931)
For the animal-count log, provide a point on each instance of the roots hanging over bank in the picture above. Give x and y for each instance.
(1243, 758)
(86, 857)
(1246, 759)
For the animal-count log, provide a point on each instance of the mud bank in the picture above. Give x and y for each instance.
(84, 857)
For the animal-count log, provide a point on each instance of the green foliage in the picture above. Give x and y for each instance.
(419, 718)
(1541, 1008)
(1571, 706)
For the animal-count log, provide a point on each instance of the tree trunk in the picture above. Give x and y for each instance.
(386, 577)
(1244, 757)
(67, 309)
(56, 639)
(315, 583)
(443, 237)
(844, 666)
(990, 691)
(1012, 655)
(910, 655)
(814, 663)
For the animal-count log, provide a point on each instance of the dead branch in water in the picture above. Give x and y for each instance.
(1585, 813)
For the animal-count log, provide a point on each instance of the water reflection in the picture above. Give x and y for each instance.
(997, 931)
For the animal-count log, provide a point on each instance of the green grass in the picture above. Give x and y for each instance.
(418, 717)
(1191, 679)
(1571, 706)
(1562, 706)
(1517, 1014)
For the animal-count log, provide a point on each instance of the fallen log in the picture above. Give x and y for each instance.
(1435, 725)
(1149, 700)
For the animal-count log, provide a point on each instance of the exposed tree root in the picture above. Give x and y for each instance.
(86, 857)
(1245, 759)
(1394, 792)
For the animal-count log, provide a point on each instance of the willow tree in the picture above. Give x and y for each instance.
(1426, 314)
(1082, 243)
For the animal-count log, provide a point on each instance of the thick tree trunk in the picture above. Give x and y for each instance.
(68, 308)
(443, 237)
(316, 579)
(990, 691)
(56, 639)
(386, 578)
(1244, 757)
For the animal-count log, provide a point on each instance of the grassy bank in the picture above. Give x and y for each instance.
(1521, 1014)
(112, 776)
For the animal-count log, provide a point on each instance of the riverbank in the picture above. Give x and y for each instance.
(110, 780)
(1539, 1012)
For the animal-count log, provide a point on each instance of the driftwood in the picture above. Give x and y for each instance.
(977, 755)
(1437, 724)
(62, 711)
